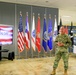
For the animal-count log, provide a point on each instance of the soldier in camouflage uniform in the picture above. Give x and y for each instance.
(62, 43)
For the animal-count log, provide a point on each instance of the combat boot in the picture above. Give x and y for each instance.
(65, 72)
(53, 72)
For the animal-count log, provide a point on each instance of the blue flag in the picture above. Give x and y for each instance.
(50, 40)
(44, 39)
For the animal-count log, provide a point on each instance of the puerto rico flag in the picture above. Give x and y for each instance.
(27, 34)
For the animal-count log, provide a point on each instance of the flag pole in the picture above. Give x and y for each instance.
(44, 18)
(52, 36)
(20, 15)
(15, 28)
(26, 50)
(38, 17)
(49, 16)
(30, 35)
(31, 31)
(19, 55)
(55, 32)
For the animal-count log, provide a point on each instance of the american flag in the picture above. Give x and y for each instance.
(20, 35)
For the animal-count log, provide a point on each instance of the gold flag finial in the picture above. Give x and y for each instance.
(27, 13)
(49, 16)
(20, 13)
(45, 16)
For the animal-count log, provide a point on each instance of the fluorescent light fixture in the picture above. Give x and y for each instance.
(66, 16)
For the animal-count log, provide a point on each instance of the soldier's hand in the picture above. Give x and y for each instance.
(60, 44)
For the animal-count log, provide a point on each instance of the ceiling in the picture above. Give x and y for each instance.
(61, 4)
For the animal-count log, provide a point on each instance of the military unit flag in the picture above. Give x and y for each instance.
(33, 34)
(38, 34)
(50, 40)
(70, 31)
(44, 39)
(55, 29)
(60, 22)
(60, 25)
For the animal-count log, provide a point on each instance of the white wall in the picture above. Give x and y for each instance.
(67, 16)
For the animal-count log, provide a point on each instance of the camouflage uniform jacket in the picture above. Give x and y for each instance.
(65, 40)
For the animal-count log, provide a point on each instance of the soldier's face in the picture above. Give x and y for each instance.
(62, 30)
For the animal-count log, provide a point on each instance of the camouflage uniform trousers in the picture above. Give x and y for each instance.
(58, 56)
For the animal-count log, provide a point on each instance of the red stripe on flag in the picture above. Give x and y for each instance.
(20, 41)
(20, 35)
(27, 40)
(6, 40)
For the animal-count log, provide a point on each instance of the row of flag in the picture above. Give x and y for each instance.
(24, 38)
(47, 39)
